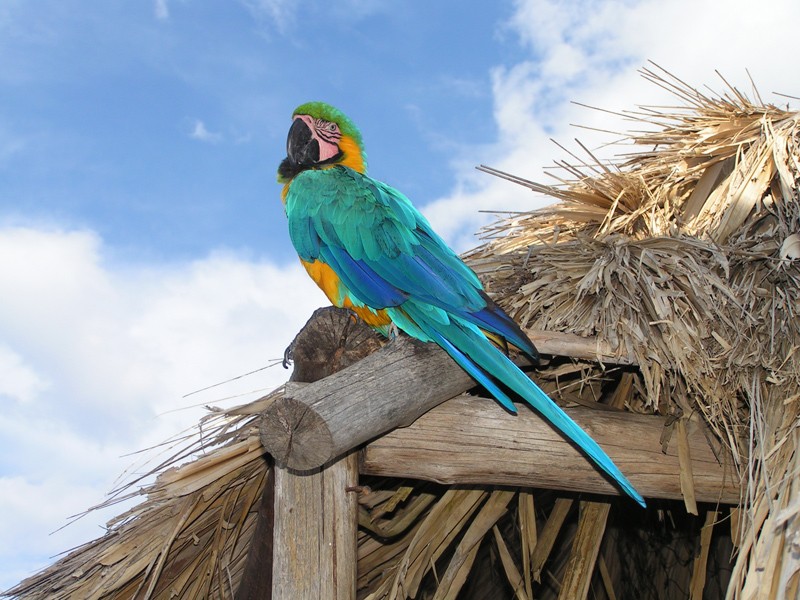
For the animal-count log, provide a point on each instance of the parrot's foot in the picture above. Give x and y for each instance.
(288, 356)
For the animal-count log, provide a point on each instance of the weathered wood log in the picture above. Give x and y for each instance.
(391, 388)
(316, 523)
(330, 341)
(468, 440)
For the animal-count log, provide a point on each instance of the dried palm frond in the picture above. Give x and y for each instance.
(680, 256)
(191, 536)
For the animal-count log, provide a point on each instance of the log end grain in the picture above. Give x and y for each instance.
(293, 432)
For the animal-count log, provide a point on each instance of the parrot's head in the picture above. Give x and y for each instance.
(320, 137)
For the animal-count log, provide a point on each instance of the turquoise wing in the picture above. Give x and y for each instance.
(384, 249)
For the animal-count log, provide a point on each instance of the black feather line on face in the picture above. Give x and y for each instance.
(288, 168)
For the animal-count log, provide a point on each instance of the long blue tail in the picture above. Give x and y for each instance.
(474, 353)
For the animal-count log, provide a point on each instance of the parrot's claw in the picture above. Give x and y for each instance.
(288, 356)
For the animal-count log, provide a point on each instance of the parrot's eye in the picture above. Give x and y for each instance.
(323, 125)
(326, 125)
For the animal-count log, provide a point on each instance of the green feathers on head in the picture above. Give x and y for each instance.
(321, 110)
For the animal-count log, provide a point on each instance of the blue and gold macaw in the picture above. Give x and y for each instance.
(371, 251)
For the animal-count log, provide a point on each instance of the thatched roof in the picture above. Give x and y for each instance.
(686, 256)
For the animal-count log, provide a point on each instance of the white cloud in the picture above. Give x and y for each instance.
(280, 12)
(18, 381)
(589, 52)
(34, 508)
(200, 132)
(161, 10)
(120, 345)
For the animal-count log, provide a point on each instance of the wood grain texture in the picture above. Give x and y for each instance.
(315, 514)
(389, 388)
(316, 522)
(557, 343)
(378, 390)
(584, 551)
(331, 340)
(470, 440)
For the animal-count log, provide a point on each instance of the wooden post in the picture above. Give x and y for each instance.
(316, 522)
(305, 543)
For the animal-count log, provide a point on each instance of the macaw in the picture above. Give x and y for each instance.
(371, 251)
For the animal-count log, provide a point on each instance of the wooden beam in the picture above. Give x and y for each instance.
(331, 340)
(391, 388)
(470, 440)
(577, 346)
(316, 512)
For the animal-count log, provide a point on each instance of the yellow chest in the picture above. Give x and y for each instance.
(329, 282)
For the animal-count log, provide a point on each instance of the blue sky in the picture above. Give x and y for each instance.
(162, 132)
(143, 250)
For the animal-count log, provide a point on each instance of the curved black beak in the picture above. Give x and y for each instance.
(302, 151)
(301, 147)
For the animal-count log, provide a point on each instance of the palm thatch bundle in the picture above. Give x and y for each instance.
(684, 258)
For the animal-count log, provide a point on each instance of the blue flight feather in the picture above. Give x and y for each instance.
(474, 371)
(469, 347)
